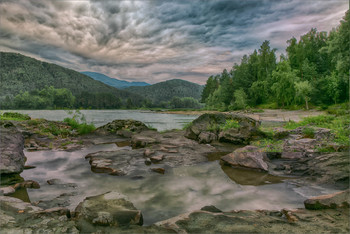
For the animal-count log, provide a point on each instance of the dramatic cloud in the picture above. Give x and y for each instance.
(154, 41)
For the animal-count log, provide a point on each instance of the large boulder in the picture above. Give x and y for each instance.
(12, 158)
(122, 127)
(329, 201)
(210, 127)
(248, 156)
(109, 209)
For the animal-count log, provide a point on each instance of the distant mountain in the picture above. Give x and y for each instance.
(21, 74)
(120, 84)
(167, 90)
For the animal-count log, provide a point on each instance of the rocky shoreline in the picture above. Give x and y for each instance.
(294, 155)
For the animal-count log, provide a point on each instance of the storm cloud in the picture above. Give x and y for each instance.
(154, 41)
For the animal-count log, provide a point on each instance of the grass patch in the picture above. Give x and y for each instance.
(14, 116)
(56, 130)
(78, 122)
(187, 125)
(66, 143)
(340, 125)
(339, 109)
(269, 145)
(150, 127)
(309, 132)
(82, 128)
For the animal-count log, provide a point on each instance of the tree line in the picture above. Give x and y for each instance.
(314, 71)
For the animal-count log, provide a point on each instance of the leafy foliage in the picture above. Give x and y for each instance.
(229, 124)
(78, 122)
(315, 71)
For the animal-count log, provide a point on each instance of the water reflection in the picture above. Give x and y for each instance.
(179, 190)
(21, 193)
(244, 176)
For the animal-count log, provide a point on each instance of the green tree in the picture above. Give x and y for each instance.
(283, 88)
(240, 99)
(303, 90)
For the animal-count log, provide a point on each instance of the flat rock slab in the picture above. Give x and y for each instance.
(169, 149)
(260, 221)
(329, 201)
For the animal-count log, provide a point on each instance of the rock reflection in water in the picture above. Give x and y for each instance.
(244, 176)
(21, 193)
(159, 197)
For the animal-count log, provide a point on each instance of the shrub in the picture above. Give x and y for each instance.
(230, 124)
(82, 128)
(14, 116)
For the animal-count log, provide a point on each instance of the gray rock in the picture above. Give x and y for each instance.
(207, 137)
(17, 216)
(7, 190)
(12, 158)
(121, 127)
(248, 156)
(158, 170)
(329, 201)
(248, 128)
(141, 141)
(109, 209)
(260, 221)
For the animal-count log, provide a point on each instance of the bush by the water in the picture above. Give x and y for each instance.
(78, 122)
(14, 116)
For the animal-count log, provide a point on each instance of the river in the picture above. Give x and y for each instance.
(179, 190)
(160, 121)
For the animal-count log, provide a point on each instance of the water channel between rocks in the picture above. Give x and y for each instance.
(159, 197)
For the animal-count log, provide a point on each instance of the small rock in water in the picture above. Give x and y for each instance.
(54, 181)
(148, 152)
(148, 161)
(116, 172)
(27, 167)
(27, 184)
(157, 158)
(158, 170)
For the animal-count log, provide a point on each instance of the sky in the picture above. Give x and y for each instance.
(154, 41)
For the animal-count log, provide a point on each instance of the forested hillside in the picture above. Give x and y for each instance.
(314, 71)
(32, 84)
(120, 84)
(172, 93)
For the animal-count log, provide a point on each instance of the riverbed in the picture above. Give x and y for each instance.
(159, 196)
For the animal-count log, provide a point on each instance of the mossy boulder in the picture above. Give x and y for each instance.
(212, 126)
(120, 126)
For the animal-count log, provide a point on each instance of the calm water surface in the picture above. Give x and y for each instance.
(159, 197)
(157, 120)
